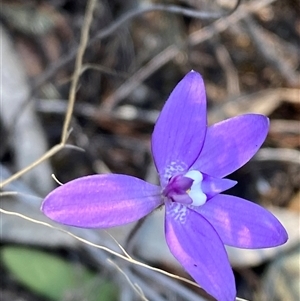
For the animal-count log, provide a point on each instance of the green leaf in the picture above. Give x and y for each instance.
(53, 277)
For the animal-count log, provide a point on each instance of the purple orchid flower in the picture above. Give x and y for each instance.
(192, 160)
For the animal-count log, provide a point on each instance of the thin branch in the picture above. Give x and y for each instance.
(48, 74)
(134, 286)
(226, 63)
(161, 7)
(171, 51)
(46, 156)
(100, 247)
(78, 65)
(182, 291)
(140, 76)
(121, 21)
(222, 24)
(269, 51)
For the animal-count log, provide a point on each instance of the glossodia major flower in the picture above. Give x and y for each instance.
(192, 160)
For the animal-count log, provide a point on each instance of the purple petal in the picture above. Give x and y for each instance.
(212, 186)
(101, 201)
(231, 143)
(197, 246)
(180, 130)
(243, 224)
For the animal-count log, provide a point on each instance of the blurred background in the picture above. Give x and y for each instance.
(249, 58)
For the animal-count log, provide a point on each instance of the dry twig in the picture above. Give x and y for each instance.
(83, 44)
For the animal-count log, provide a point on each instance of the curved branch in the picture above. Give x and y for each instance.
(110, 29)
(160, 7)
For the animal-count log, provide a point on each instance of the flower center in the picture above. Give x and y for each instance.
(186, 189)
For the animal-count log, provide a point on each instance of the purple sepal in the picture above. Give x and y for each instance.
(231, 143)
(180, 130)
(199, 249)
(102, 201)
(243, 224)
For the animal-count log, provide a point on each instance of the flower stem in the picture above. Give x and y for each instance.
(129, 244)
